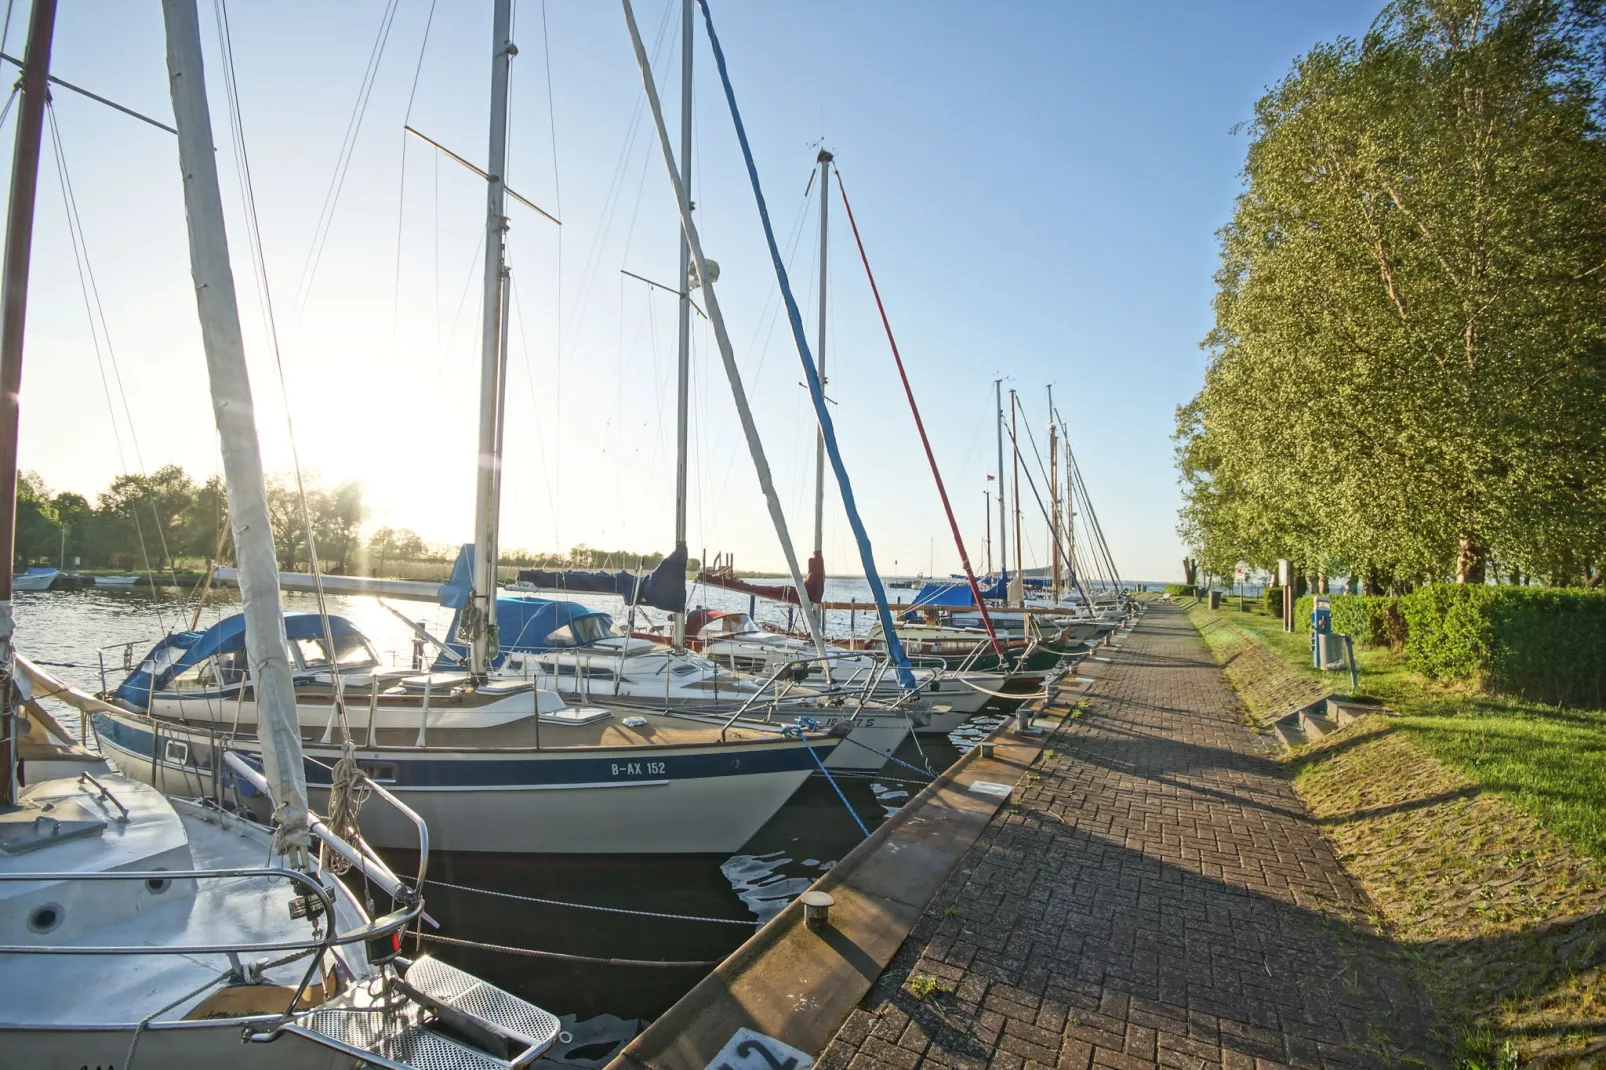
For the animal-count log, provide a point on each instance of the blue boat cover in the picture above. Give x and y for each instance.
(181, 650)
(663, 588)
(527, 624)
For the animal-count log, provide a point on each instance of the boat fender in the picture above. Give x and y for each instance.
(840, 729)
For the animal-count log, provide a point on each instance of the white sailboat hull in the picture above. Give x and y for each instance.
(697, 799)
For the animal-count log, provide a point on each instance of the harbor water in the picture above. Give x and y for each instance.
(88, 636)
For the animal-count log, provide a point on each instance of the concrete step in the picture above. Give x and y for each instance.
(1289, 733)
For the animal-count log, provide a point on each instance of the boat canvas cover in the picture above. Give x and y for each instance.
(181, 650)
(663, 588)
(525, 624)
(957, 595)
(813, 583)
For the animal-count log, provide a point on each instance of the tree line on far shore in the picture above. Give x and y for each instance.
(168, 520)
(1407, 374)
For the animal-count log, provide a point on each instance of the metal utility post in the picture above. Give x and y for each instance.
(683, 382)
(479, 620)
(13, 314)
(1054, 493)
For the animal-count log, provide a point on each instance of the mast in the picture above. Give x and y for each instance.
(1003, 528)
(819, 358)
(13, 314)
(1070, 509)
(1017, 587)
(277, 727)
(1054, 492)
(727, 353)
(683, 383)
(987, 515)
(479, 616)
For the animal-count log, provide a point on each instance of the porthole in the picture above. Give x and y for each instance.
(157, 885)
(46, 918)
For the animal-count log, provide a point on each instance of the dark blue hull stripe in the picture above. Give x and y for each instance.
(422, 770)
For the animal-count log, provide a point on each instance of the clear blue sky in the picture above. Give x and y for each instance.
(1039, 186)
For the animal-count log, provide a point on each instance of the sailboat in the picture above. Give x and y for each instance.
(138, 926)
(493, 764)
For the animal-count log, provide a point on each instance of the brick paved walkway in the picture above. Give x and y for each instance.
(1159, 897)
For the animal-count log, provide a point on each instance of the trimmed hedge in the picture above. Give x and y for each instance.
(1543, 643)
(1180, 590)
(1364, 618)
(1272, 599)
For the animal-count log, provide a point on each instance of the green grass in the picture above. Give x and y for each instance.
(1549, 761)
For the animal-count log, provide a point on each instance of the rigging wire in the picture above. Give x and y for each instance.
(337, 182)
(401, 192)
(96, 312)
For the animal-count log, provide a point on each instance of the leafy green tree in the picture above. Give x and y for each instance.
(1409, 358)
(38, 527)
(76, 519)
(142, 517)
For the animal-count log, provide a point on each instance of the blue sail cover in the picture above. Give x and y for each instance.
(663, 588)
(526, 624)
(181, 650)
(957, 595)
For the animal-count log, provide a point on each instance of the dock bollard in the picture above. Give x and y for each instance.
(817, 909)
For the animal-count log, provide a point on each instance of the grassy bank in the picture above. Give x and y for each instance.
(1474, 825)
(1549, 761)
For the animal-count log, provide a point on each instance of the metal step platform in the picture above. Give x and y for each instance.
(450, 1020)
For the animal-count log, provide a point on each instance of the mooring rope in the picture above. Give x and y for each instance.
(591, 906)
(923, 772)
(530, 952)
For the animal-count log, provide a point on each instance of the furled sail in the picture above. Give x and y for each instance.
(813, 583)
(663, 588)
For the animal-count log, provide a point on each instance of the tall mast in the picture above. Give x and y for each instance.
(1070, 509)
(479, 616)
(277, 727)
(1054, 492)
(683, 383)
(727, 353)
(819, 359)
(1003, 527)
(1020, 562)
(13, 314)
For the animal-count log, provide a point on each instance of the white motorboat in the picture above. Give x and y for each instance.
(35, 579)
(116, 581)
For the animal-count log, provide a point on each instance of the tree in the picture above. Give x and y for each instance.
(38, 528)
(1409, 354)
(142, 517)
(77, 521)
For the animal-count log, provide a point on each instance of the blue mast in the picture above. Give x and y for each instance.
(816, 391)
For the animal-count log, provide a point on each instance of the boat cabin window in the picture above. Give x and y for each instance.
(202, 676)
(729, 624)
(581, 631)
(351, 652)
